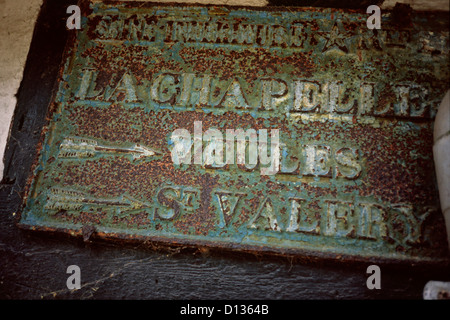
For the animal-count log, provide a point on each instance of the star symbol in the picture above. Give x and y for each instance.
(335, 38)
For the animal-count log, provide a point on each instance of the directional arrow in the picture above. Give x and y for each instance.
(70, 200)
(75, 147)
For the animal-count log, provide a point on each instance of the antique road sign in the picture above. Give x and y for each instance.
(285, 130)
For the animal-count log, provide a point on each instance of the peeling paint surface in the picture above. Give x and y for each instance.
(354, 108)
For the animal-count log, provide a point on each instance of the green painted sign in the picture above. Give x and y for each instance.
(294, 130)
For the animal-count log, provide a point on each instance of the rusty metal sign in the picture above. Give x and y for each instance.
(294, 130)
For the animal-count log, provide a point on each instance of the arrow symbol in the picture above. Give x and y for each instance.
(75, 147)
(70, 200)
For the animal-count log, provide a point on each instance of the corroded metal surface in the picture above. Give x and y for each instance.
(354, 108)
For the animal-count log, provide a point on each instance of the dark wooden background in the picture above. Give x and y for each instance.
(33, 265)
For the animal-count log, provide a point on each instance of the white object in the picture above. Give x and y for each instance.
(436, 290)
(441, 153)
